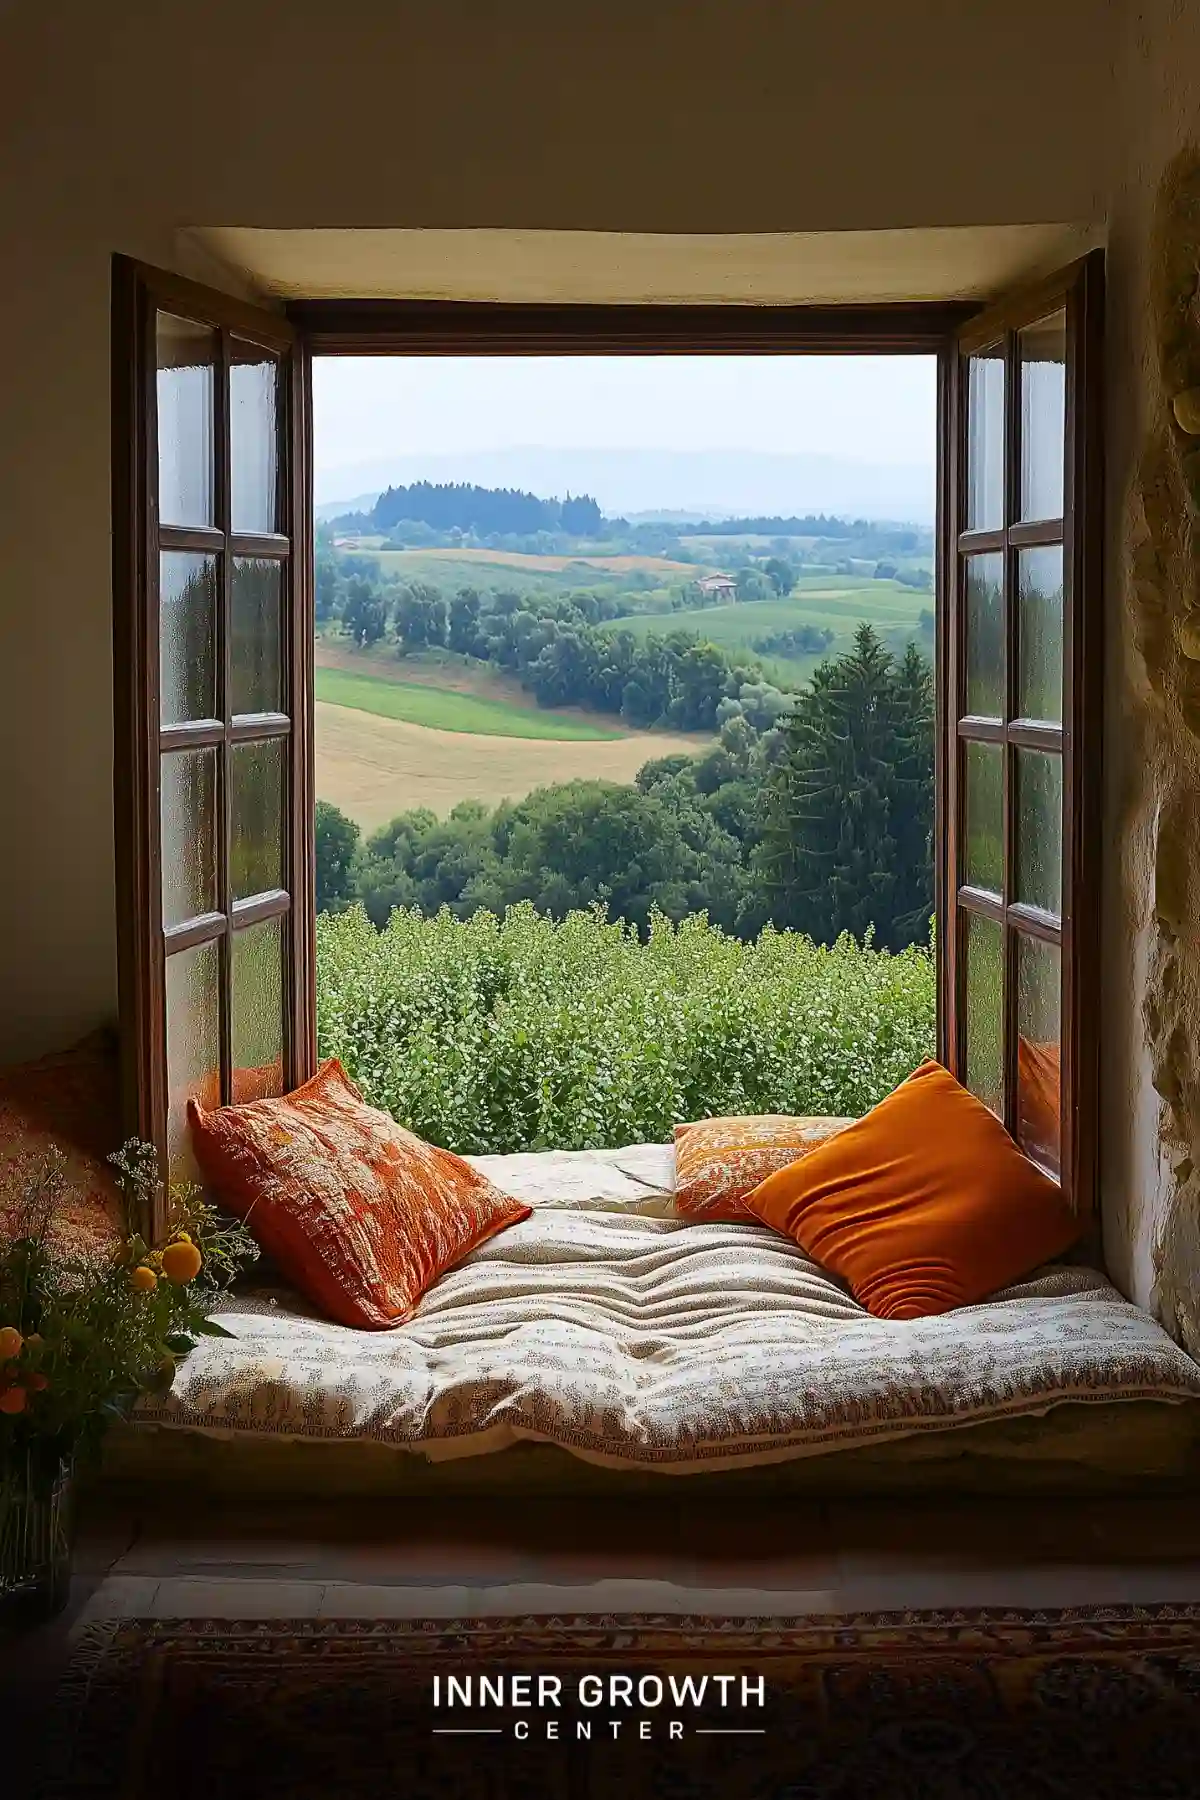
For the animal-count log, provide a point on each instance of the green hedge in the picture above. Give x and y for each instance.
(522, 1034)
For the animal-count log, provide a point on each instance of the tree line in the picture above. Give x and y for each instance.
(813, 525)
(461, 506)
(556, 647)
(819, 821)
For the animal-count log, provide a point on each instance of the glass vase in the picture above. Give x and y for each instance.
(36, 1534)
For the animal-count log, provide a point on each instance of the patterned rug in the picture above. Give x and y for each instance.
(1094, 1703)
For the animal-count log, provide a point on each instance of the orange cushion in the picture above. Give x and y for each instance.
(719, 1161)
(70, 1102)
(923, 1205)
(360, 1215)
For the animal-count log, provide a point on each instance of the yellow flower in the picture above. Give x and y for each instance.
(10, 1342)
(181, 1262)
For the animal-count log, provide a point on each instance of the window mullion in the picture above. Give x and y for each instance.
(224, 705)
(1012, 513)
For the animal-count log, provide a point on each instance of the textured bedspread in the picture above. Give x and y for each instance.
(607, 1326)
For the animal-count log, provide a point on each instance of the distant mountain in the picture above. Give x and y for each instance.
(674, 515)
(671, 483)
(333, 509)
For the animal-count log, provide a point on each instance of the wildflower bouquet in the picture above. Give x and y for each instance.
(83, 1336)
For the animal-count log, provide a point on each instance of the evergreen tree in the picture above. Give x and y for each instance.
(914, 811)
(846, 826)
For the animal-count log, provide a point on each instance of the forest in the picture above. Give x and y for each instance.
(463, 507)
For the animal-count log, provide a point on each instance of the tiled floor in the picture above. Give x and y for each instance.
(400, 1559)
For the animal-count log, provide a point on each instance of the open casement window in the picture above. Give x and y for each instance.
(212, 561)
(1019, 772)
(213, 637)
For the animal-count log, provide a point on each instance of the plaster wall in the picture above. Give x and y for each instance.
(121, 126)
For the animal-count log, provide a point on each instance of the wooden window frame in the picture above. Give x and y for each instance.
(483, 328)
(140, 293)
(420, 328)
(1077, 290)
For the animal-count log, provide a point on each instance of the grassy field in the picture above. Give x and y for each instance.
(450, 569)
(444, 709)
(893, 609)
(436, 729)
(374, 767)
(519, 559)
(437, 668)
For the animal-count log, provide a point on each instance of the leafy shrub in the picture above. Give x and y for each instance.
(524, 1033)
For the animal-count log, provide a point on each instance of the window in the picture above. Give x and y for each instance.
(1020, 767)
(211, 643)
(214, 622)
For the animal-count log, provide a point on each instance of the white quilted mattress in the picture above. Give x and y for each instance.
(608, 1326)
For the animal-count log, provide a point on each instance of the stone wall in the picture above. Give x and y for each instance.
(1162, 588)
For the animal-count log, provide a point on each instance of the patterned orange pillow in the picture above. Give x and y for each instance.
(69, 1102)
(360, 1215)
(719, 1161)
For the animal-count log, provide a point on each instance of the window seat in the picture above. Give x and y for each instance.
(606, 1328)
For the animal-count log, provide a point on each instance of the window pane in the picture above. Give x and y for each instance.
(187, 636)
(256, 849)
(187, 355)
(1039, 987)
(1043, 352)
(1040, 631)
(985, 635)
(985, 440)
(188, 813)
(257, 1011)
(1039, 829)
(193, 1047)
(253, 439)
(254, 650)
(983, 817)
(985, 1010)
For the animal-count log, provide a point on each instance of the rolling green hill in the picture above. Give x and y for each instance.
(446, 710)
(499, 569)
(893, 609)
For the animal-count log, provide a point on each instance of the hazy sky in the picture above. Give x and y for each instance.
(871, 409)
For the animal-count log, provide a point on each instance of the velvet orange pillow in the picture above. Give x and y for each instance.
(719, 1161)
(923, 1205)
(357, 1213)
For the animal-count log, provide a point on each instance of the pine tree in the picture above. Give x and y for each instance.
(848, 808)
(913, 803)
